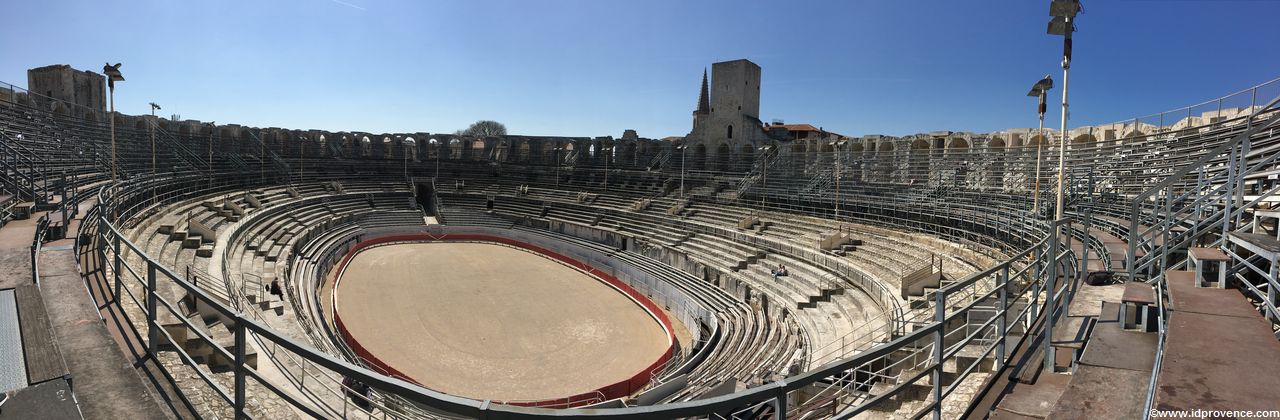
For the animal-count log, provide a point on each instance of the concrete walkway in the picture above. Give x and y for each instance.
(104, 382)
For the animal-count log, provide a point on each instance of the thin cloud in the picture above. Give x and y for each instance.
(349, 5)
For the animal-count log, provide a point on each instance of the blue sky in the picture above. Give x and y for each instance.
(594, 68)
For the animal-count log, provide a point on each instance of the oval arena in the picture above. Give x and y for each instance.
(181, 269)
(488, 317)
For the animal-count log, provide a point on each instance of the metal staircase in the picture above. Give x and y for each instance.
(1203, 201)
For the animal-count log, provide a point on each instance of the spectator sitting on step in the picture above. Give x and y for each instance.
(274, 288)
(357, 391)
(779, 272)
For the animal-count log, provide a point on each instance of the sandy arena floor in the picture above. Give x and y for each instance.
(488, 321)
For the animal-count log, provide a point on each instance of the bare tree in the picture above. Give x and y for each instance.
(484, 128)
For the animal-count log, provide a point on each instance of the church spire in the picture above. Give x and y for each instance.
(704, 103)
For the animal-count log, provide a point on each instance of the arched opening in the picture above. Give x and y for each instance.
(729, 131)
(746, 157)
(410, 147)
(995, 152)
(433, 148)
(366, 146)
(699, 161)
(629, 155)
(797, 157)
(501, 151)
(723, 157)
(853, 160)
(918, 161)
(885, 160)
(455, 149)
(59, 109)
(522, 153)
(827, 156)
(477, 149)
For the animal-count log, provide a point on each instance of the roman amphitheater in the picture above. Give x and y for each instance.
(155, 268)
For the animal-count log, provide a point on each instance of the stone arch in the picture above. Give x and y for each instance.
(1038, 140)
(797, 157)
(918, 161)
(1083, 138)
(549, 151)
(455, 148)
(995, 149)
(366, 146)
(58, 108)
(699, 156)
(523, 151)
(884, 160)
(629, 154)
(1133, 134)
(746, 157)
(410, 146)
(724, 157)
(957, 143)
(476, 149)
(433, 148)
(501, 151)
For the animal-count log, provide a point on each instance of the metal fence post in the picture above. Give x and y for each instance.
(1002, 322)
(152, 334)
(1050, 282)
(115, 265)
(780, 402)
(35, 268)
(939, 316)
(240, 369)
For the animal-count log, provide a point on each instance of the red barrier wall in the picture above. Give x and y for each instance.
(620, 389)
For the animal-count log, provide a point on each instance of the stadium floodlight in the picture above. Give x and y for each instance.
(1063, 23)
(1042, 87)
(113, 76)
(1039, 90)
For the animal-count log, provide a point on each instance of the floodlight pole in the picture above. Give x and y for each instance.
(212, 128)
(839, 165)
(1062, 141)
(438, 144)
(1035, 200)
(683, 148)
(608, 150)
(111, 85)
(1066, 10)
(154, 107)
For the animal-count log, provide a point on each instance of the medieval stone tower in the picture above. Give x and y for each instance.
(727, 120)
